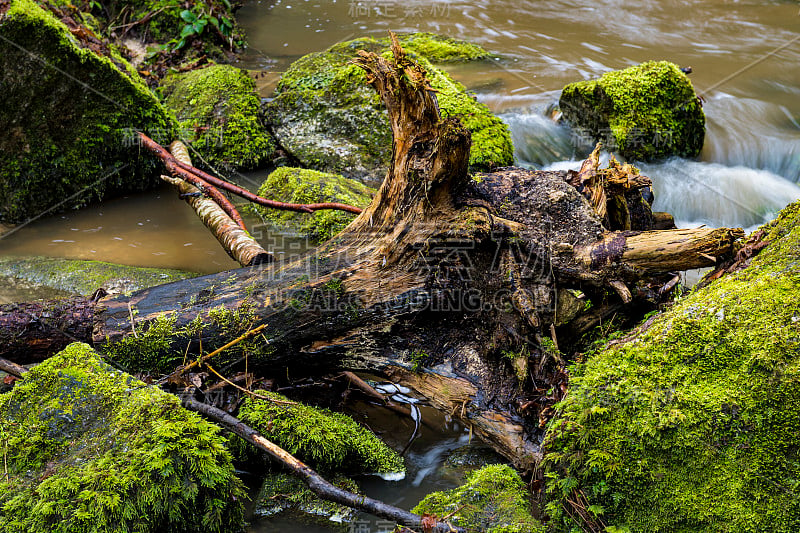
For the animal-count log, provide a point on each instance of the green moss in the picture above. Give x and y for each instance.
(296, 185)
(695, 425)
(68, 115)
(218, 110)
(644, 112)
(493, 499)
(441, 49)
(159, 346)
(84, 277)
(327, 116)
(326, 440)
(89, 448)
(281, 493)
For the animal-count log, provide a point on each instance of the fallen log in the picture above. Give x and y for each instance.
(446, 283)
(236, 241)
(315, 482)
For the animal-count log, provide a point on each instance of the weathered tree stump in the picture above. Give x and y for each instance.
(444, 283)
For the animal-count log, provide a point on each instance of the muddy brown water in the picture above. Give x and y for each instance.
(744, 55)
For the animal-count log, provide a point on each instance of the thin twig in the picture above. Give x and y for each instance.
(246, 335)
(249, 393)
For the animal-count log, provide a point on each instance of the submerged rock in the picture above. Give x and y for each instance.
(297, 185)
(89, 448)
(694, 425)
(325, 440)
(467, 458)
(644, 112)
(282, 493)
(326, 115)
(84, 277)
(70, 109)
(493, 499)
(218, 110)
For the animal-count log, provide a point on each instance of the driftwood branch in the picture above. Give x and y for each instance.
(235, 240)
(315, 482)
(10, 367)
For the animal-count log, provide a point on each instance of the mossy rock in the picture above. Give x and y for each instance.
(89, 448)
(218, 110)
(493, 499)
(84, 277)
(69, 117)
(326, 440)
(645, 112)
(282, 493)
(326, 115)
(694, 426)
(302, 186)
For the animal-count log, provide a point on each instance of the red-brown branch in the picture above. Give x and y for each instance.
(174, 167)
(238, 191)
(260, 200)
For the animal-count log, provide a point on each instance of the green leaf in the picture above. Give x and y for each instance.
(188, 16)
(227, 4)
(214, 21)
(180, 44)
(199, 25)
(187, 30)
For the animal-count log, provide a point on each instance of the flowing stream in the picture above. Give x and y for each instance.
(744, 54)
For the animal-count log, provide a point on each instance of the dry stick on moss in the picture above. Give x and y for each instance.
(315, 482)
(249, 393)
(173, 165)
(246, 335)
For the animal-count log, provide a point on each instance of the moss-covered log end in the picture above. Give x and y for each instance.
(644, 112)
(694, 425)
(68, 118)
(89, 448)
(493, 499)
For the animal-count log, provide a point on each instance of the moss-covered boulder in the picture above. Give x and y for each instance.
(69, 115)
(644, 112)
(89, 448)
(84, 277)
(326, 115)
(218, 110)
(326, 440)
(694, 426)
(302, 186)
(282, 493)
(493, 499)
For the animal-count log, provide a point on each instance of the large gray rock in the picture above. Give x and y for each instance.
(326, 115)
